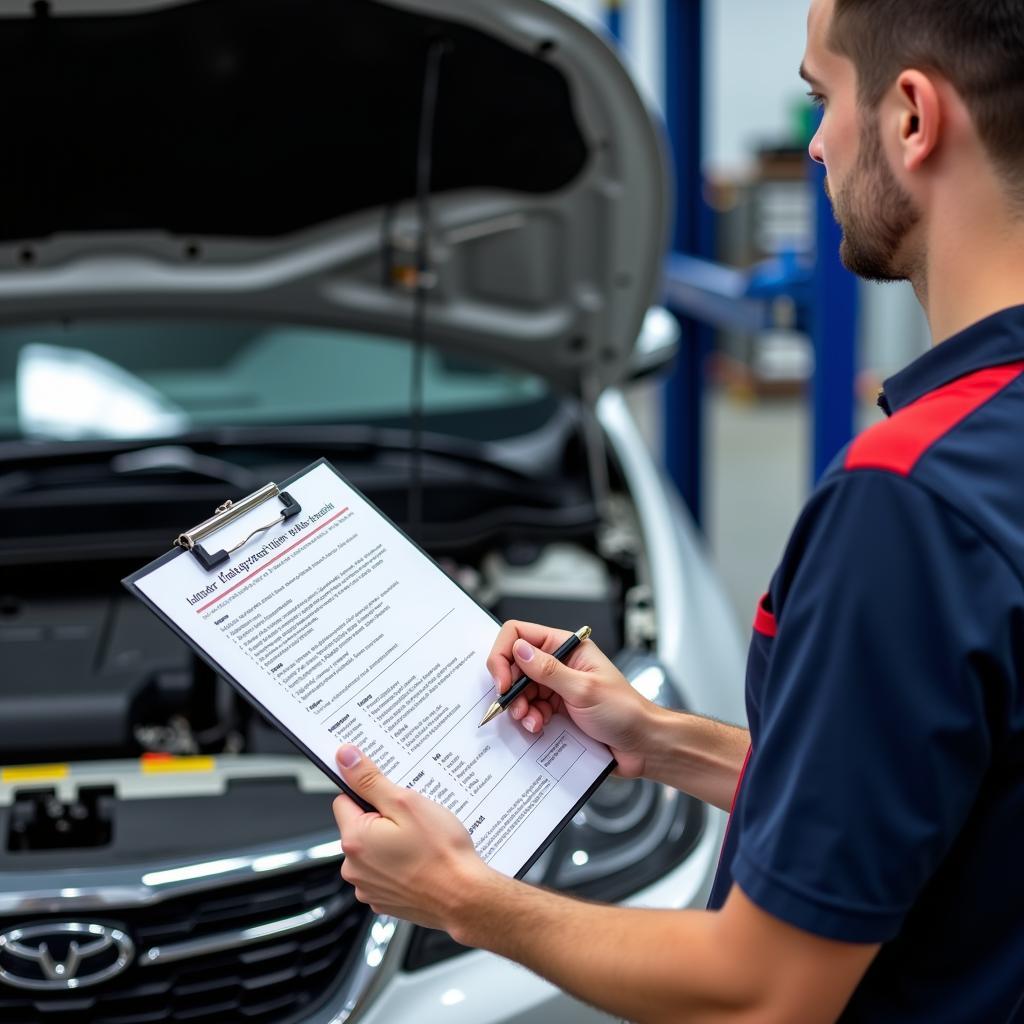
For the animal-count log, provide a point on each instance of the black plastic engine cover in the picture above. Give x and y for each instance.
(76, 674)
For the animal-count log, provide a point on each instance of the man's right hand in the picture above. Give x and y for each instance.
(588, 687)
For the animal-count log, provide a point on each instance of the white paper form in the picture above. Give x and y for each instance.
(346, 632)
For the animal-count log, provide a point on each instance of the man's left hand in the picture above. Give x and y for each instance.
(411, 858)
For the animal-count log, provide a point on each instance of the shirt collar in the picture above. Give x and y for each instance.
(990, 342)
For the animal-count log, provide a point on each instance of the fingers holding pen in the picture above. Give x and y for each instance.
(538, 716)
(534, 707)
(518, 708)
(501, 662)
(526, 649)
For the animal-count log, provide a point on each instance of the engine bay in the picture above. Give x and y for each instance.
(97, 675)
(123, 747)
(97, 687)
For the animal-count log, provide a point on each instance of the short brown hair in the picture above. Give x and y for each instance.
(977, 45)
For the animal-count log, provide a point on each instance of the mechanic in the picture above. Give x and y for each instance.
(872, 870)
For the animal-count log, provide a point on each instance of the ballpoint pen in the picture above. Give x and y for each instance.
(563, 652)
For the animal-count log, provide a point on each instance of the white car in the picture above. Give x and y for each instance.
(422, 238)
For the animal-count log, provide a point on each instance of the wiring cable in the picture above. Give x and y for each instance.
(424, 280)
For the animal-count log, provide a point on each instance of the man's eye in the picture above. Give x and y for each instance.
(817, 99)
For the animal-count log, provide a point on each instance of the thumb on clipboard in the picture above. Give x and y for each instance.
(411, 858)
(367, 781)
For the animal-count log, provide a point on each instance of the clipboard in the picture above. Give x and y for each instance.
(281, 507)
(190, 543)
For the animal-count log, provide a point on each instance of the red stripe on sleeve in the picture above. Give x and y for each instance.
(898, 443)
(739, 780)
(732, 806)
(764, 621)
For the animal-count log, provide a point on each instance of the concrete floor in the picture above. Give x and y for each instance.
(757, 475)
(756, 479)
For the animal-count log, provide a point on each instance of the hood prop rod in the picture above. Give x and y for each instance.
(594, 440)
(424, 280)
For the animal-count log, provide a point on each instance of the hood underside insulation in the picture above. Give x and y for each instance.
(258, 118)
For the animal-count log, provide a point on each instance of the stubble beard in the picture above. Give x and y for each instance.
(876, 215)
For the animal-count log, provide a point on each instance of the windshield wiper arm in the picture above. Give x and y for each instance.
(179, 458)
(140, 462)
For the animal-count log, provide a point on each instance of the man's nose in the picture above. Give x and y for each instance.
(816, 149)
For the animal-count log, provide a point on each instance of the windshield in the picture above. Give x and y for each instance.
(144, 379)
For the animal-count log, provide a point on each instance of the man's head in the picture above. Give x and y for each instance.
(914, 90)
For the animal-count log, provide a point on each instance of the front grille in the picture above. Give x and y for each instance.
(271, 981)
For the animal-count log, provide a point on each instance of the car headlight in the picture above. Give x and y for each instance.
(629, 834)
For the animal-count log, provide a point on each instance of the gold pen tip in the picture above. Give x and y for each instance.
(583, 633)
(492, 712)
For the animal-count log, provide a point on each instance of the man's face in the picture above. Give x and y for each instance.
(873, 209)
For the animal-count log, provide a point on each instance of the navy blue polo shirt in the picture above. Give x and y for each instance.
(883, 799)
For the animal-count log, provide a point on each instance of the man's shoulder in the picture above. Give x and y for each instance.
(920, 486)
(957, 450)
(939, 486)
(968, 410)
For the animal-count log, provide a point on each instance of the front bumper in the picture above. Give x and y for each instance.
(480, 988)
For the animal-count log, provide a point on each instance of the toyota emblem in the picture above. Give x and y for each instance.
(62, 956)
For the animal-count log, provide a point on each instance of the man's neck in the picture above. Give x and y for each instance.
(975, 266)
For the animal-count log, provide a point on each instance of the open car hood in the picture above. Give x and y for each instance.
(258, 157)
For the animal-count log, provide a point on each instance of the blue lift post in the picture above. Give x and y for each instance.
(705, 295)
(692, 234)
(833, 323)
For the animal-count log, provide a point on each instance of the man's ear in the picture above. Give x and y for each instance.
(919, 114)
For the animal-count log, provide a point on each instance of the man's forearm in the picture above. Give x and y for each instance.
(645, 965)
(697, 755)
(738, 965)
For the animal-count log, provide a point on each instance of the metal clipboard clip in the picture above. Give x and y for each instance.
(227, 514)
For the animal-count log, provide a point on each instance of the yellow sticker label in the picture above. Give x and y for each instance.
(163, 765)
(34, 773)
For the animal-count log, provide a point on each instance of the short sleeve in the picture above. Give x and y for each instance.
(873, 739)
